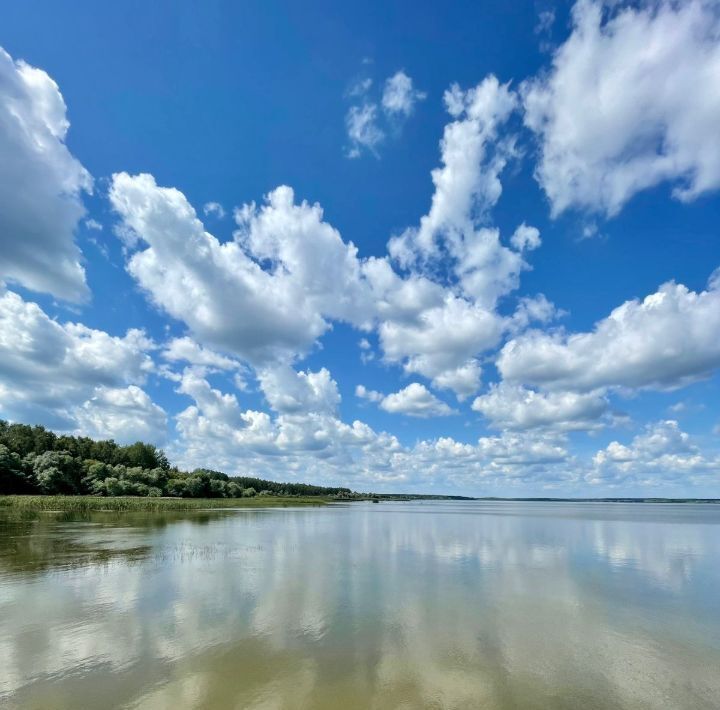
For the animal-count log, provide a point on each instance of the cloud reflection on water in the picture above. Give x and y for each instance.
(390, 606)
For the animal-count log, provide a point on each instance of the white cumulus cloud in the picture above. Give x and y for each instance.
(269, 294)
(441, 343)
(304, 440)
(632, 100)
(288, 391)
(221, 290)
(41, 185)
(71, 377)
(468, 183)
(185, 349)
(363, 392)
(315, 444)
(415, 400)
(515, 407)
(667, 340)
(662, 454)
(126, 414)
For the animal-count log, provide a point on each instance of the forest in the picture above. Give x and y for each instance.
(34, 460)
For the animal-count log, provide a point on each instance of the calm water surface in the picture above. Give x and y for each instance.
(396, 605)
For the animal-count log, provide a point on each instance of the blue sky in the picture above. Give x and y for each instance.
(469, 250)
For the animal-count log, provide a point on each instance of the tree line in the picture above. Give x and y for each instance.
(35, 460)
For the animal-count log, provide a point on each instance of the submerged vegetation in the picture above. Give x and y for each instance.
(37, 462)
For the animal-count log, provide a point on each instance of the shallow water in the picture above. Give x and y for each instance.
(395, 605)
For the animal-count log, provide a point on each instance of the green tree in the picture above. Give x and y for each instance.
(12, 475)
(177, 487)
(233, 490)
(57, 472)
(94, 474)
(24, 439)
(217, 488)
(112, 486)
(142, 455)
(196, 486)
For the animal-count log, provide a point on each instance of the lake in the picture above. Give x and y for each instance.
(393, 605)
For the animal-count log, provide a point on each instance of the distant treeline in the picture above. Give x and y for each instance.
(35, 460)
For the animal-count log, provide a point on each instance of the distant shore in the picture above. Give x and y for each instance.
(604, 500)
(80, 503)
(400, 497)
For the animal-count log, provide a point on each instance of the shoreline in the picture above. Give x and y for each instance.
(60, 504)
(80, 503)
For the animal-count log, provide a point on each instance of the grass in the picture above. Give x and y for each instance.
(82, 504)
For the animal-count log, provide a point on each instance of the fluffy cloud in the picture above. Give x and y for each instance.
(535, 309)
(512, 450)
(399, 97)
(415, 400)
(442, 341)
(432, 331)
(463, 380)
(305, 440)
(467, 184)
(221, 290)
(363, 392)
(294, 275)
(187, 350)
(505, 461)
(70, 376)
(308, 255)
(525, 238)
(366, 351)
(667, 340)
(126, 414)
(510, 406)
(288, 391)
(632, 100)
(41, 185)
(486, 269)
(663, 453)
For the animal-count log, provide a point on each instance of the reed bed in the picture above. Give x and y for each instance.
(83, 504)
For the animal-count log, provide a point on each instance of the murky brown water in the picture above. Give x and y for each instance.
(407, 605)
